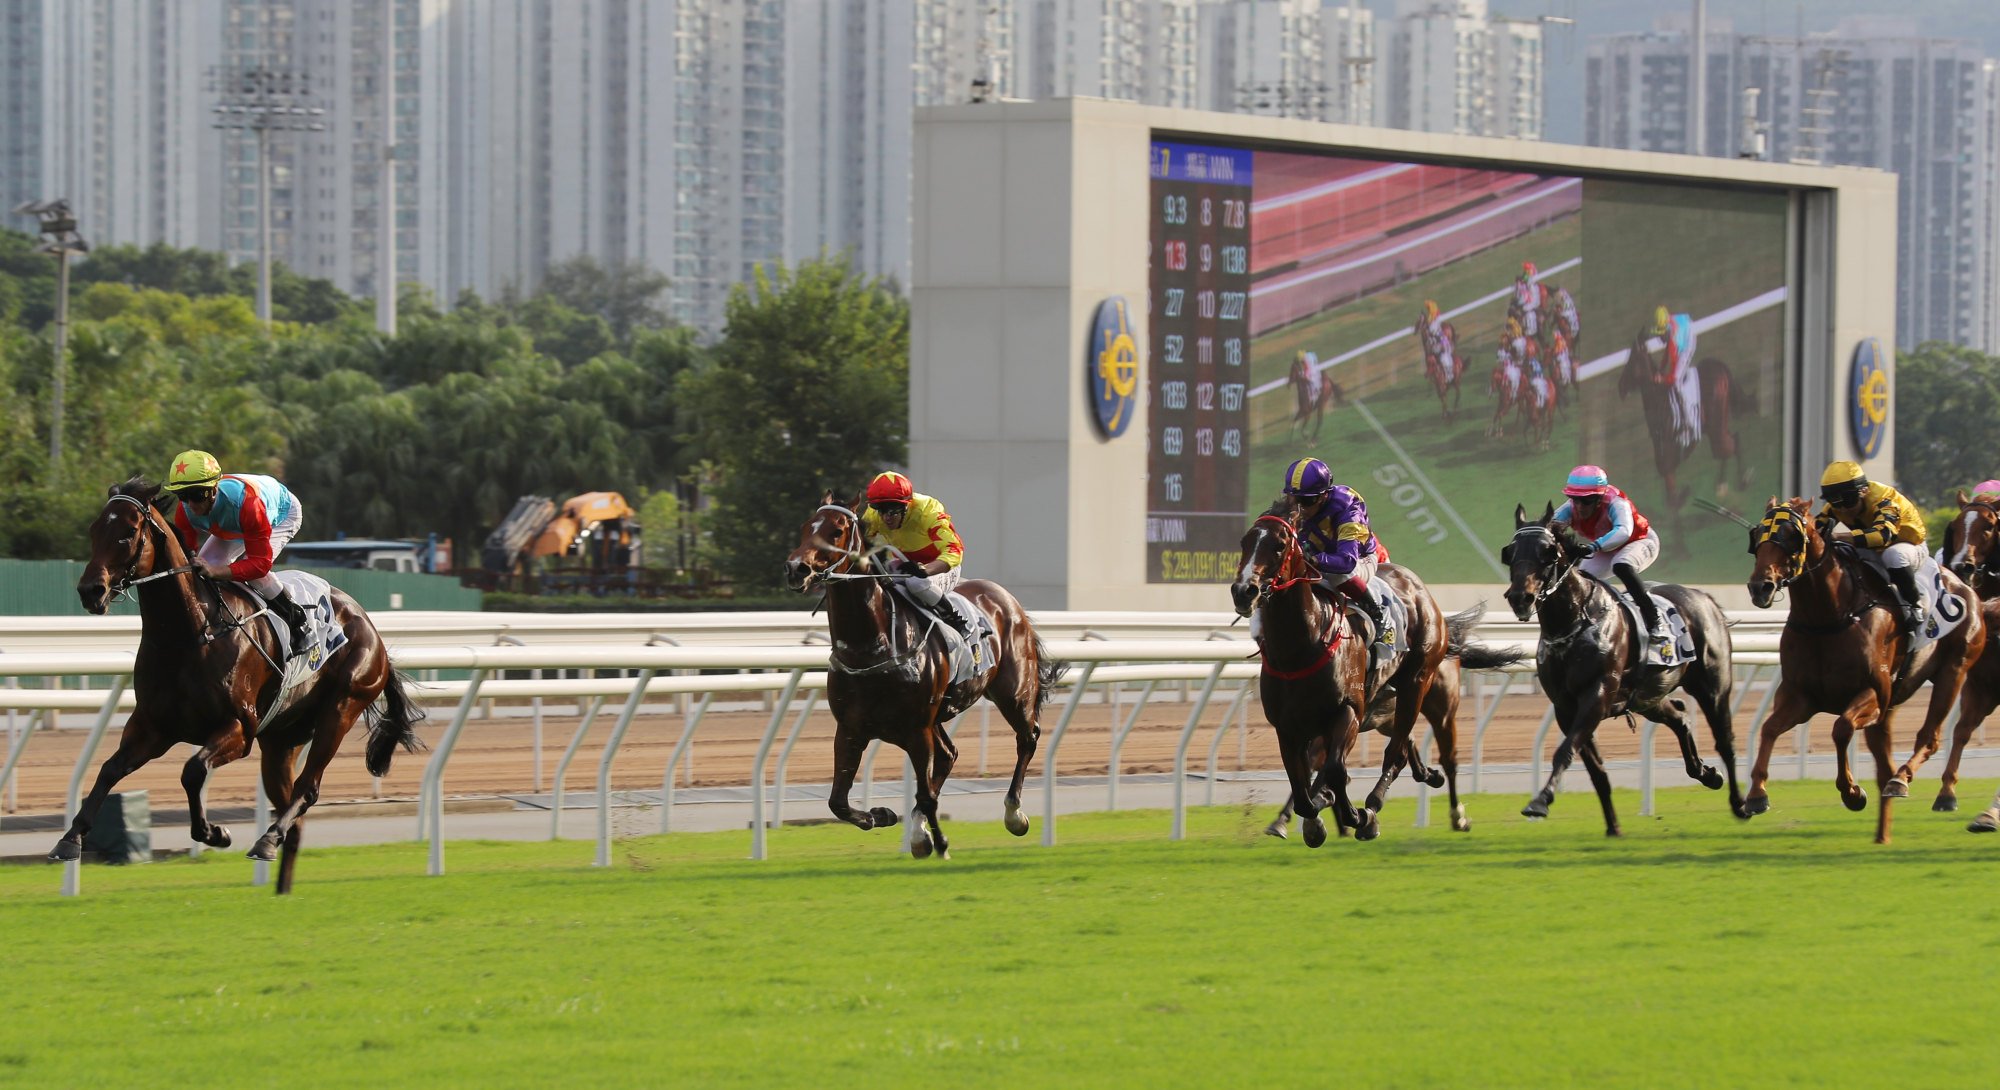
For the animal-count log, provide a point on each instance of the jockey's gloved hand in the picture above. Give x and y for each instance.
(1586, 550)
(914, 569)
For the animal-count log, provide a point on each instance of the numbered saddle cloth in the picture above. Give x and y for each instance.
(967, 660)
(324, 635)
(1680, 642)
(1943, 609)
(1392, 609)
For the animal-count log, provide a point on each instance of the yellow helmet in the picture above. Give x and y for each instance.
(1659, 321)
(193, 469)
(1842, 483)
(1513, 327)
(1430, 310)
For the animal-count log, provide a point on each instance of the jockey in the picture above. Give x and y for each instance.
(1563, 365)
(247, 519)
(1617, 540)
(1528, 293)
(1335, 535)
(919, 527)
(1882, 519)
(1437, 346)
(1518, 343)
(1676, 332)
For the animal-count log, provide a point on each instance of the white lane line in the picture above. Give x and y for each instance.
(1409, 463)
(1744, 309)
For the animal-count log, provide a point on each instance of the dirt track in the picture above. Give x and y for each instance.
(496, 756)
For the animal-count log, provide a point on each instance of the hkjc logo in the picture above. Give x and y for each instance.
(1112, 364)
(1868, 398)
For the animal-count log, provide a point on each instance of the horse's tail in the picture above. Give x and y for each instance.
(1475, 656)
(391, 723)
(1048, 674)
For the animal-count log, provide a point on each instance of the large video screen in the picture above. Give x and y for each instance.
(1451, 341)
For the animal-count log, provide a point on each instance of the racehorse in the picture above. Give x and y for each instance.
(1507, 389)
(1839, 653)
(1591, 661)
(1315, 682)
(1647, 372)
(890, 675)
(1972, 551)
(1442, 703)
(207, 676)
(1313, 392)
(1559, 315)
(1444, 379)
(1538, 412)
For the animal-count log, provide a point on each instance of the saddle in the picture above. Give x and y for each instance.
(1680, 649)
(968, 659)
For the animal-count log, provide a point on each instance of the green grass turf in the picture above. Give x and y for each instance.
(1694, 952)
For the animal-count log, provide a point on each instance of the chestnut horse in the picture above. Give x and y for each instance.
(1840, 653)
(205, 675)
(1315, 684)
(1590, 662)
(1444, 380)
(1509, 385)
(1314, 391)
(1972, 551)
(890, 673)
(1647, 372)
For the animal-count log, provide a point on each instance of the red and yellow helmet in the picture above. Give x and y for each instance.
(890, 488)
(1528, 271)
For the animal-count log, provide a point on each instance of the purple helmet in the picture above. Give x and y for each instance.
(1308, 477)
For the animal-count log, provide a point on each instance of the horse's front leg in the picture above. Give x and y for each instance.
(137, 744)
(1346, 720)
(1593, 763)
(1566, 714)
(849, 745)
(1974, 706)
(1299, 771)
(1788, 710)
(229, 744)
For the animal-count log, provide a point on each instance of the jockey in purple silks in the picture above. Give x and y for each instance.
(1335, 535)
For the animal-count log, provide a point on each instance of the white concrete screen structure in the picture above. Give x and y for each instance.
(1029, 215)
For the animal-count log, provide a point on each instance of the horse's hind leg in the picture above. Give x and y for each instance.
(1673, 713)
(1715, 709)
(1395, 755)
(288, 859)
(1879, 740)
(277, 765)
(1441, 708)
(1973, 708)
(849, 745)
(931, 762)
(332, 726)
(1945, 690)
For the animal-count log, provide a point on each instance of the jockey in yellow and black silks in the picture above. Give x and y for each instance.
(919, 527)
(1883, 520)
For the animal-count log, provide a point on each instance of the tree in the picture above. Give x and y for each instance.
(625, 293)
(808, 389)
(1946, 396)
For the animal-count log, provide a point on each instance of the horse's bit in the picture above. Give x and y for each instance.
(1556, 566)
(211, 628)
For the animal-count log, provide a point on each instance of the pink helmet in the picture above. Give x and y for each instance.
(1587, 481)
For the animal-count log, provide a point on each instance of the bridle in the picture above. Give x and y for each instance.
(210, 628)
(1987, 565)
(840, 571)
(1785, 516)
(1557, 566)
(1292, 558)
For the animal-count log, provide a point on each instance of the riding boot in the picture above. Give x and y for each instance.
(294, 616)
(1905, 582)
(1657, 636)
(1385, 636)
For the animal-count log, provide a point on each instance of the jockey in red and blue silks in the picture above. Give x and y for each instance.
(1677, 338)
(1617, 539)
(240, 522)
(1335, 535)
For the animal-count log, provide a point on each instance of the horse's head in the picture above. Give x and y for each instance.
(829, 542)
(1271, 559)
(129, 540)
(1779, 545)
(1972, 541)
(1538, 558)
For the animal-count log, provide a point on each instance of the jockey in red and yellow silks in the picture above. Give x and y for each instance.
(234, 526)
(919, 527)
(1617, 538)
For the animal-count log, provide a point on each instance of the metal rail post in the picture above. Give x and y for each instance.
(625, 717)
(1479, 731)
(1423, 789)
(785, 757)
(757, 830)
(1646, 769)
(1049, 758)
(14, 755)
(1541, 743)
(260, 870)
(674, 760)
(1180, 752)
(73, 869)
(430, 797)
(562, 766)
(1118, 743)
(1222, 732)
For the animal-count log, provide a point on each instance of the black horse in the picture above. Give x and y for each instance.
(1591, 661)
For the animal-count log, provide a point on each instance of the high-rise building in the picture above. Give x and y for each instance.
(1289, 58)
(1454, 68)
(1872, 92)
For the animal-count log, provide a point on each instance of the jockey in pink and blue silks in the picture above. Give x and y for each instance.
(1337, 539)
(1617, 539)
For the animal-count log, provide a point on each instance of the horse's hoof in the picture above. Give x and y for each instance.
(1536, 809)
(1857, 801)
(1756, 804)
(1987, 822)
(1017, 822)
(1435, 779)
(1711, 779)
(1613, 831)
(1277, 829)
(1896, 788)
(1461, 825)
(883, 817)
(1369, 828)
(920, 848)
(1314, 832)
(66, 850)
(265, 850)
(218, 837)
(1945, 804)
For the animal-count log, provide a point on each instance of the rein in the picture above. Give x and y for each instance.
(849, 554)
(211, 628)
(1336, 632)
(1767, 531)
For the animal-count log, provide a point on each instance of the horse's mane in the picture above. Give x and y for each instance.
(1282, 507)
(140, 489)
(1566, 536)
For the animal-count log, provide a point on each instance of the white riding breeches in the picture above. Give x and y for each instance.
(225, 550)
(1903, 555)
(1638, 554)
(930, 590)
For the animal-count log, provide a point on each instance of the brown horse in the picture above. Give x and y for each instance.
(1508, 386)
(1313, 393)
(1590, 663)
(1538, 412)
(1315, 684)
(1444, 378)
(1972, 551)
(1647, 372)
(205, 675)
(891, 679)
(1840, 651)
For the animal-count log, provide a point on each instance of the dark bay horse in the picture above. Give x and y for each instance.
(1313, 391)
(1840, 653)
(203, 678)
(1721, 398)
(1315, 684)
(1972, 552)
(1590, 662)
(890, 674)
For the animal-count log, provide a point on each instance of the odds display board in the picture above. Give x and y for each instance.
(1451, 340)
